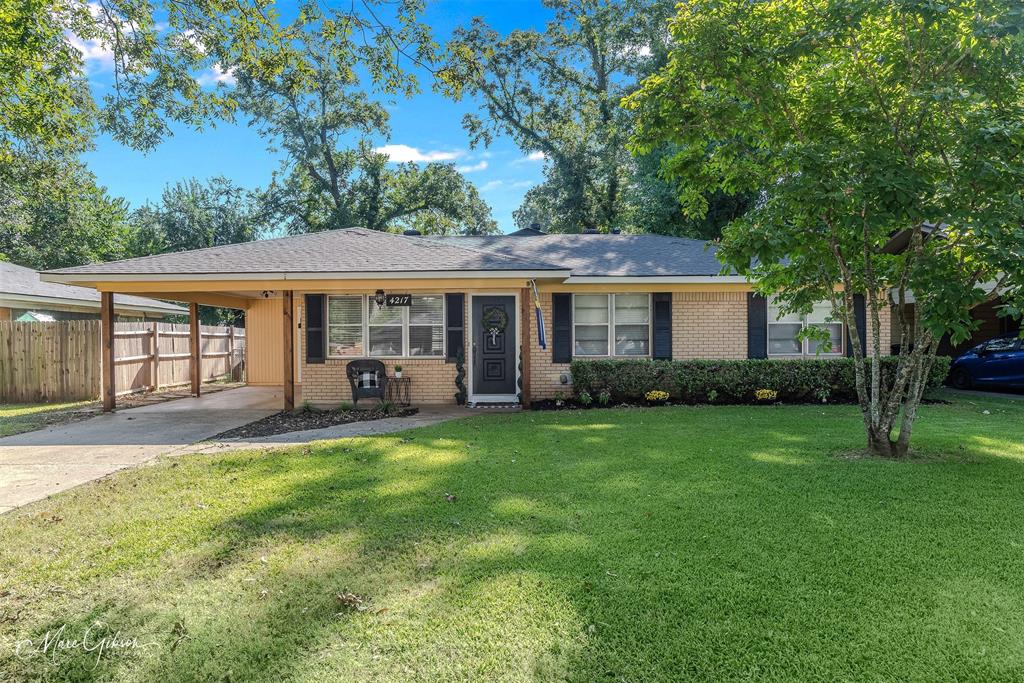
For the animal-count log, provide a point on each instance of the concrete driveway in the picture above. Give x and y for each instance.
(37, 464)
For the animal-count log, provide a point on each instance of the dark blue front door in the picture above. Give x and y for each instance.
(494, 345)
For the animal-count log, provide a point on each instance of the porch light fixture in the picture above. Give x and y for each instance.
(378, 298)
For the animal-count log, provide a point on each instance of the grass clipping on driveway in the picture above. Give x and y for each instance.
(673, 543)
(16, 418)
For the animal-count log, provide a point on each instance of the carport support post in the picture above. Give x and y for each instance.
(195, 346)
(107, 349)
(289, 350)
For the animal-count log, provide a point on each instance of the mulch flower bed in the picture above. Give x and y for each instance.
(284, 422)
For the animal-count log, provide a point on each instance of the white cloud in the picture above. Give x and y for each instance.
(96, 55)
(531, 158)
(402, 153)
(472, 168)
(636, 51)
(216, 75)
(508, 184)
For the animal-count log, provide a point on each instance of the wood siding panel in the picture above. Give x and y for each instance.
(265, 342)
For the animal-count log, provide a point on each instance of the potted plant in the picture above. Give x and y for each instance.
(398, 372)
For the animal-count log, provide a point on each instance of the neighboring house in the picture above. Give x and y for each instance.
(24, 297)
(990, 323)
(312, 299)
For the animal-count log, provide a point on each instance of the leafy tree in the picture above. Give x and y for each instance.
(309, 110)
(195, 215)
(557, 92)
(55, 215)
(862, 120)
(156, 52)
(46, 104)
(651, 203)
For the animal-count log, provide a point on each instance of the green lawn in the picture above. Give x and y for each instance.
(713, 544)
(25, 417)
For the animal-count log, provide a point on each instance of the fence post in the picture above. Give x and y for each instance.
(196, 347)
(231, 352)
(155, 351)
(107, 349)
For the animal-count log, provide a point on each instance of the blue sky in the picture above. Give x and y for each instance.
(426, 127)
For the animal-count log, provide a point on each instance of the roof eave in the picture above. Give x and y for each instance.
(656, 279)
(75, 278)
(31, 300)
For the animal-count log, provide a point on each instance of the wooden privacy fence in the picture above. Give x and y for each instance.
(60, 361)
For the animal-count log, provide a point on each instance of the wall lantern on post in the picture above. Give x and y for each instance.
(379, 298)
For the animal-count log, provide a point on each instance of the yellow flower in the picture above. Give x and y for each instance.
(656, 395)
(766, 394)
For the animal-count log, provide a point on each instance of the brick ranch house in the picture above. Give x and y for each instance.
(311, 307)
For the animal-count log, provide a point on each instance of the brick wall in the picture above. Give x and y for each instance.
(885, 327)
(710, 325)
(545, 382)
(432, 381)
(706, 324)
(325, 384)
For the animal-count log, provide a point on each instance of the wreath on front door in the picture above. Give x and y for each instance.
(494, 321)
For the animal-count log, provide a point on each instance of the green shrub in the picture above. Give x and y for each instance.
(732, 381)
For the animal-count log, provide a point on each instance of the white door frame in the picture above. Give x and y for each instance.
(471, 329)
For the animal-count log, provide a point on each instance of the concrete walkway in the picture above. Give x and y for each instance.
(38, 464)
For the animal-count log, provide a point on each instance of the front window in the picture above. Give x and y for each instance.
(345, 326)
(611, 324)
(356, 326)
(632, 324)
(426, 326)
(784, 331)
(590, 320)
(385, 329)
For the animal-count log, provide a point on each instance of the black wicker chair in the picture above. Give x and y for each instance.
(376, 387)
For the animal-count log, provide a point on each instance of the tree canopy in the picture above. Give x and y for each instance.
(310, 110)
(556, 92)
(856, 120)
(158, 50)
(54, 214)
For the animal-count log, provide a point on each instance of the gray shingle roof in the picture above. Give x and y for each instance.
(605, 255)
(356, 250)
(334, 251)
(24, 282)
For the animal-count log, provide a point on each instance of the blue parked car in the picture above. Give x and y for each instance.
(998, 361)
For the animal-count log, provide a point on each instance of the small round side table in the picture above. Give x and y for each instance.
(398, 390)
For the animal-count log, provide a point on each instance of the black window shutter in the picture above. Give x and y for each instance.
(662, 346)
(316, 305)
(561, 327)
(757, 326)
(455, 312)
(860, 318)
